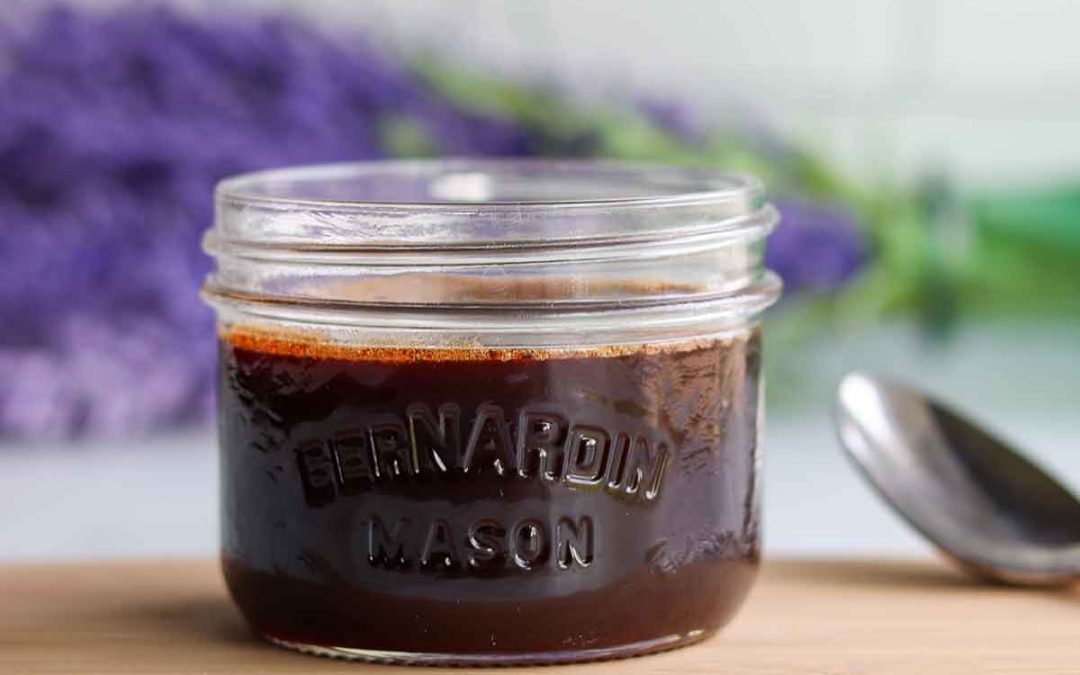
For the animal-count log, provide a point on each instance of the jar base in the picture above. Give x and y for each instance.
(493, 659)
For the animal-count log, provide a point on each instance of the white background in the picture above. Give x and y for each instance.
(989, 90)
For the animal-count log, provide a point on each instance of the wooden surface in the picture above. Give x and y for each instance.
(803, 617)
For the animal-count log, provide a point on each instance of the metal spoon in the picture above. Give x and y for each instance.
(982, 503)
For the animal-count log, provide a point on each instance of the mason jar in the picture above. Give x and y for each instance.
(488, 412)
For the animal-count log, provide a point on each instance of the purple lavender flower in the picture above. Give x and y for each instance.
(817, 247)
(113, 129)
(675, 117)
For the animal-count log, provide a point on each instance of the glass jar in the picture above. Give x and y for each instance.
(484, 411)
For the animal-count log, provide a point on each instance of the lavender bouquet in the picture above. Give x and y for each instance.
(110, 147)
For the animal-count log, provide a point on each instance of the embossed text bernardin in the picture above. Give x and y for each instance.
(537, 445)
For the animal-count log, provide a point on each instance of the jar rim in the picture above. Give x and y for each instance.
(670, 184)
(632, 246)
(516, 203)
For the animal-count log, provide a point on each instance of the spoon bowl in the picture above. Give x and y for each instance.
(981, 502)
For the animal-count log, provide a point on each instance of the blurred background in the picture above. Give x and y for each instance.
(924, 154)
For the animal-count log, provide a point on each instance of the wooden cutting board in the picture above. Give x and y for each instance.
(803, 617)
